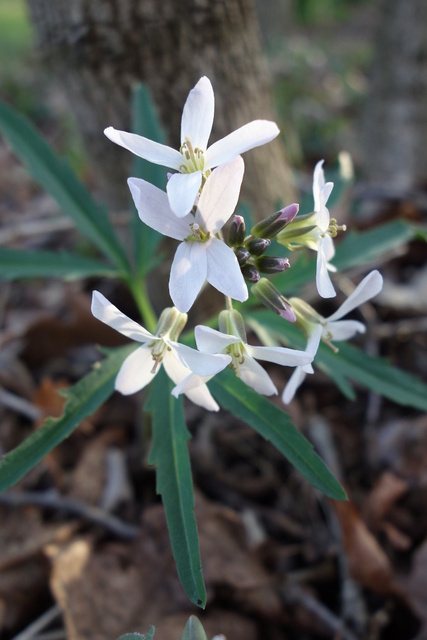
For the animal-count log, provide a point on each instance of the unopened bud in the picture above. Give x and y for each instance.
(270, 297)
(242, 255)
(269, 264)
(271, 226)
(250, 273)
(257, 246)
(237, 232)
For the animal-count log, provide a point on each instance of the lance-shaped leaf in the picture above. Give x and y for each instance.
(350, 362)
(82, 400)
(169, 453)
(275, 425)
(56, 176)
(19, 263)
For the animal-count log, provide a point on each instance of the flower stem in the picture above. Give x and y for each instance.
(228, 303)
(139, 291)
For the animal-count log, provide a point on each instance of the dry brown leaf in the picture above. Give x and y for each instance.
(386, 491)
(368, 563)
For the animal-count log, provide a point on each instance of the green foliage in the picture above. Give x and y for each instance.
(194, 630)
(274, 425)
(82, 400)
(139, 636)
(169, 453)
(57, 178)
(349, 363)
(16, 263)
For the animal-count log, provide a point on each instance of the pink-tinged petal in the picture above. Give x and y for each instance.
(188, 273)
(153, 208)
(252, 374)
(198, 114)
(195, 389)
(202, 364)
(223, 270)
(182, 190)
(212, 341)
(103, 310)
(280, 355)
(251, 135)
(296, 379)
(220, 195)
(323, 280)
(145, 148)
(370, 286)
(136, 371)
(343, 329)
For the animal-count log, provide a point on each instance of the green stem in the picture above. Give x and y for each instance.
(140, 294)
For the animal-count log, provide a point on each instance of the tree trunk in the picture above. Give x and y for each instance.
(395, 119)
(99, 48)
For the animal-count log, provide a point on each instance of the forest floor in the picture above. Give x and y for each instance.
(84, 547)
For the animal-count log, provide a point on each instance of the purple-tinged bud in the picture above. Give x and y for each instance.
(272, 225)
(237, 232)
(257, 246)
(269, 264)
(242, 255)
(266, 293)
(250, 273)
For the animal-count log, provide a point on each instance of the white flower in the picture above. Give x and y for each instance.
(330, 329)
(201, 255)
(194, 160)
(179, 361)
(316, 231)
(244, 356)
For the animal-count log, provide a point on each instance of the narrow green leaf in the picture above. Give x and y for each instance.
(175, 484)
(17, 263)
(377, 374)
(82, 400)
(275, 425)
(193, 630)
(56, 176)
(146, 123)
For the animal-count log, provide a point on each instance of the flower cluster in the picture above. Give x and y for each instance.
(200, 198)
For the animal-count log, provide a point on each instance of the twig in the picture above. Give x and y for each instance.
(38, 625)
(52, 500)
(20, 405)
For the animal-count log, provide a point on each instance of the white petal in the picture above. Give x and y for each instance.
(343, 329)
(212, 341)
(252, 374)
(103, 310)
(314, 339)
(198, 114)
(136, 371)
(195, 389)
(188, 273)
(175, 369)
(220, 195)
(145, 148)
(328, 249)
(318, 183)
(370, 286)
(296, 379)
(223, 270)
(202, 364)
(280, 355)
(182, 190)
(249, 136)
(323, 280)
(153, 208)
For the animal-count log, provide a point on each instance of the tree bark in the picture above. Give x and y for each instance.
(99, 48)
(395, 119)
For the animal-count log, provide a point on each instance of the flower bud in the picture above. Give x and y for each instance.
(242, 255)
(270, 297)
(237, 232)
(257, 246)
(272, 225)
(269, 264)
(250, 273)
